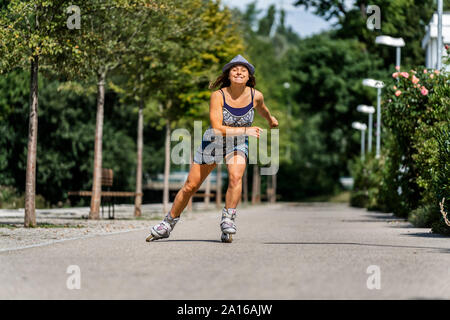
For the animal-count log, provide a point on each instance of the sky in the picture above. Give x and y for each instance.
(305, 23)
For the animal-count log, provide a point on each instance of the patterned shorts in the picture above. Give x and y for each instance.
(215, 148)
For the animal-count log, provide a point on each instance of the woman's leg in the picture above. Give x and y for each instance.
(236, 164)
(197, 174)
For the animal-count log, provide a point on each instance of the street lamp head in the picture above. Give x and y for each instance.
(359, 126)
(373, 83)
(365, 109)
(389, 41)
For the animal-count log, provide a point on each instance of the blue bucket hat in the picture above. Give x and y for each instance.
(239, 60)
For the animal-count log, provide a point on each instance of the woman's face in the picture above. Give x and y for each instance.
(239, 74)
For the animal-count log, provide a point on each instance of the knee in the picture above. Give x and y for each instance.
(234, 181)
(190, 187)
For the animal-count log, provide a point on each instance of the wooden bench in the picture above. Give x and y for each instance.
(107, 197)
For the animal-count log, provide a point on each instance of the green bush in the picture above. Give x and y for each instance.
(359, 199)
(416, 105)
(441, 179)
(11, 199)
(423, 216)
(440, 227)
(8, 197)
(368, 188)
(394, 193)
(413, 175)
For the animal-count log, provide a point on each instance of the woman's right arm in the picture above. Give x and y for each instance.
(216, 118)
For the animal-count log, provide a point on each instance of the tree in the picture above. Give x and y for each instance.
(139, 68)
(327, 74)
(267, 22)
(30, 33)
(115, 26)
(245, 186)
(209, 39)
(172, 65)
(219, 186)
(399, 18)
(140, 147)
(256, 185)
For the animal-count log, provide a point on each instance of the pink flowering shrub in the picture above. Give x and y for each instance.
(416, 109)
(410, 99)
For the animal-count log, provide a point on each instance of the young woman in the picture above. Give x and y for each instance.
(231, 113)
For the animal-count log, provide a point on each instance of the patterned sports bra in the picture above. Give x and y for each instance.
(238, 117)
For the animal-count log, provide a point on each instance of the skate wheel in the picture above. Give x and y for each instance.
(149, 238)
(227, 238)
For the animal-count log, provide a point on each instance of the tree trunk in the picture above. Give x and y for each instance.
(274, 189)
(140, 144)
(269, 189)
(362, 8)
(258, 194)
(219, 186)
(207, 191)
(256, 187)
(30, 183)
(97, 176)
(166, 169)
(245, 185)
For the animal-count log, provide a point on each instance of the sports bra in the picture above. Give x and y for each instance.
(238, 117)
(238, 111)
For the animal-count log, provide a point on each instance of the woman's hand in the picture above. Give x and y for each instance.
(253, 131)
(273, 122)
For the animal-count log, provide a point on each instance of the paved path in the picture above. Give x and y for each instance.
(283, 251)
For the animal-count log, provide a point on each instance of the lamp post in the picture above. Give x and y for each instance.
(379, 85)
(370, 111)
(439, 39)
(398, 43)
(362, 127)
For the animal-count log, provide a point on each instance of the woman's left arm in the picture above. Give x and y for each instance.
(263, 110)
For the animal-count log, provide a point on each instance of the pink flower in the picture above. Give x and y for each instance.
(397, 93)
(395, 87)
(415, 79)
(425, 71)
(405, 75)
(446, 47)
(436, 71)
(431, 76)
(397, 68)
(395, 74)
(424, 91)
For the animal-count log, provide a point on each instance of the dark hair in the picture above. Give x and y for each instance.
(223, 81)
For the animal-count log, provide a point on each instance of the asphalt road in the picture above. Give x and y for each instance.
(282, 251)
